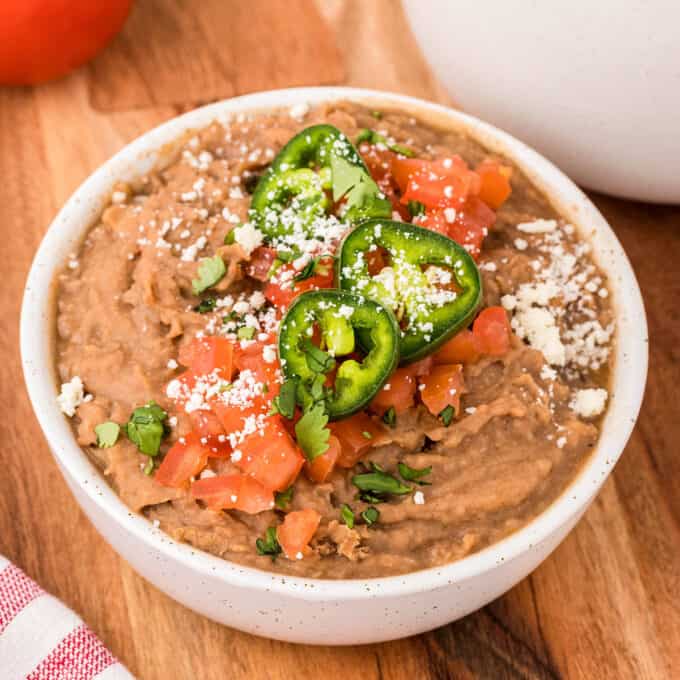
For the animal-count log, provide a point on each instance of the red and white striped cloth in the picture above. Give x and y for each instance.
(41, 639)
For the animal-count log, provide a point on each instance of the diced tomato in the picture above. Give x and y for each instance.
(379, 164)
(473, 220)
(435, 220)
(492, 330)
(399, 392)
(296, 531)
(495, 183)
(319, 470)
(233, 492)
(418, 368)
(443, 387)
(282, 294)
(462, 348)
(271, 456)
(204, 355)
(186, 458)
(403, 168)
(209, 428)
(232, 417)
(260, 264)
(352, 434)
(436, 184)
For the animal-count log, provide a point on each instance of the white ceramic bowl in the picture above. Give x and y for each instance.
(592, 85)
(312, 610)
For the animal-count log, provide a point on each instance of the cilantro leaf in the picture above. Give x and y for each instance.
(283, 498)
(373, 137)
(447, 415)
(390, 417)
(145, 428)
(361, 192)
(317, 360)
(416, 208)
(379, 484)
(347, 515)
(307, 271)
(205, 306)
(413, 474)
(370, 515)
(284, 402)
(311, 432)
(107, 434)
(269, 545)
(210, 271)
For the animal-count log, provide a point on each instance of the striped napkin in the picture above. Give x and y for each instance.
(41, 639)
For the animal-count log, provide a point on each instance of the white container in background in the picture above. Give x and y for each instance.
(594, 86)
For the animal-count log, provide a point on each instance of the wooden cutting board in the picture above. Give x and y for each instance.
(605, 605)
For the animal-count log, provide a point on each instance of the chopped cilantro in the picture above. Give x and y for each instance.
(149, 467)
(107, 434)
(307, 271)
(356, 185)
(269, 545)
(311, 432)
(367, 435)
(378, 484)
(317, 360)
(230, 238)
(284, 402)
(413, 474)
(245, 333)
(205, 306)
(416, 208)
(210, 271)
(390, 417)
(145, 428)
(373, 137)
(377, 114)
(347, 515)
(283, 498)
(287, 255)
(447, 415)
(370, 515)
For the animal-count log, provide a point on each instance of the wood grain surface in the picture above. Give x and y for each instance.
(604, 605)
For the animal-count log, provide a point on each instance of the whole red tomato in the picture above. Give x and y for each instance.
(45, 39)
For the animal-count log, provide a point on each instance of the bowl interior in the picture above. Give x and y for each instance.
(82, 209)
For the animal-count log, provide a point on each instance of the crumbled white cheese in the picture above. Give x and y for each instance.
(172, 364)
(269, 354)
(248, 237)
(71, 396)
(590, 402)
(538, 326)
(538, 226)
(298, 111)
(118, 197)
(521, 244)
(206, 473)
(450, 215)
(419, 498)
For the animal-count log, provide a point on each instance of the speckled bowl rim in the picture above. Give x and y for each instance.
(77, 215)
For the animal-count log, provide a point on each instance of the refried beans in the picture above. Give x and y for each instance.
(177, 258)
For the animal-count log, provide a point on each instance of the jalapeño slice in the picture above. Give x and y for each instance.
(431, 283)
(317, 345)
(314, 170)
